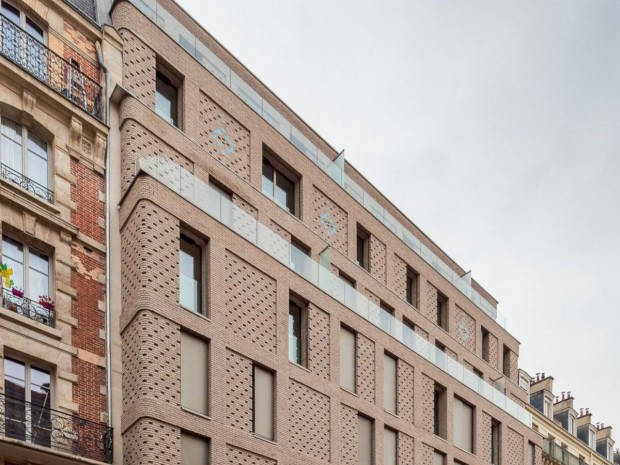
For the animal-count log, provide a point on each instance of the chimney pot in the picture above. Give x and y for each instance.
(568, 396)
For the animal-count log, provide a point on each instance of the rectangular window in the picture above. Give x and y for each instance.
(190, 274)
(531, 454)
(263, 408)
(412, 287)
(463, 425)
(442, 311)
(348, 358)
(166, 98)
(364, 441)
(506, 362)
(441, 358)
(486, 356)
(194, 373)
(279, 186)
(495, 442)
(300, 259)
(386, 317)
(439, 458)
(28, 402)
(390, 383)
(390, 447)
(440, 411)
(297, 333)
(219, 203)
(194, 450)
(362, 253)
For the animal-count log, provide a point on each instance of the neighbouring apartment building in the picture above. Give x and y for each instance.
(53, 133)
(275, 307)
(569, 436)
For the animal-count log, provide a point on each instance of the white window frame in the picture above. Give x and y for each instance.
(26, 265)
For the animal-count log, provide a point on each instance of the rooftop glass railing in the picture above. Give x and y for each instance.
(180, 34)
(211, 201)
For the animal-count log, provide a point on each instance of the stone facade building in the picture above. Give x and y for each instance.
(274, 306)
(53, 130)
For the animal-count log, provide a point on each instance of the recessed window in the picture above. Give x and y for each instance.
(390, 383)
(408, 331)
(24, 155)
(194, 450)
(194, 373)
(442, 311)
(439, 458)
(463, 425)
(486, 346)
(390, 447)
(350, 294)
(386, 317)
(29, 53)
(191, 274)
(219, 203)
(279, 186)
(300, 259)
(263, 407)
(364, 440)
(28, 390)
(166, 98)
(495, 442)
(298, 333)
(362, 248)
(348, 357)
(531, 454)
(440, 408)
(412, 287)
(506, 360)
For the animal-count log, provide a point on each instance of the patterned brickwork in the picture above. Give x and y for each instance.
(150, 442)
(365, 368)
(514, 367)
(378, 259)
(400, 277)
(428, 306)
(517, 400)
(329, 221)
(223, 137)
(406, 451)
(538, 456)
(138, 68)
(421, 332)
(236, 456)
(318, 342)
(150, 249)
(405, 392)
(426, 455)
(250, 303)
(450, 353)
(151, 360)
(425, 416)
(238, 391)
(485, 438)
(514, 453)
(245, 206)
(465, 329)
(348, 436)
(493, 351)
(138, 142)
(309, 422)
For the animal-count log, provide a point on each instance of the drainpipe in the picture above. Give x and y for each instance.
(108, 305)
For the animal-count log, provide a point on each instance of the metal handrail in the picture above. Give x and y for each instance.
(560, 454)
(8, 173)
(43, 426)
(28, 308)
(50, 68)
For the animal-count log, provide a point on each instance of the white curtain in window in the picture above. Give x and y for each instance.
(12, 145)
(37, 160)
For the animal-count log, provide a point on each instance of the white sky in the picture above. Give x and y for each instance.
(494, 126)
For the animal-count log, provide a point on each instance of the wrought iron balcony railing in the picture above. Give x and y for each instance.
(26, 183)
(54, 71)
(560, 455)
(28, 308)
(36, 424)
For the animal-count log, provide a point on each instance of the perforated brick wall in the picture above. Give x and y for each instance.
(245, 206)
(450, 353)
(309, 421)
(421, 332)
(365, 367)
(513, 367)
(236, 456)
(318, 342)
(378, 259)
(406, 450)
(484, 437)
(538, 455)
(514, 445)
(238, 391)
(465, 329)
(348, 435)
(493, 351)
(223, 137)
(400, 277)
(138, 68)
(426, 454)
(425, 413)
(250, 303)
(150, 442)
(405, 391)
(428, 306)
(329, 221)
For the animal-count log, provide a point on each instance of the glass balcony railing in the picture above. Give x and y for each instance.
(42, 426)
(51, 69)
(222, 209)
(559, 454)
(180, 34)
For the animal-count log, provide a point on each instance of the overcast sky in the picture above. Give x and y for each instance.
(494, 126)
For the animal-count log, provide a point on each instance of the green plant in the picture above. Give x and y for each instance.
(5, 275)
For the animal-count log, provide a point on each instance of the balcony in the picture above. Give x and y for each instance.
(28, 308)
(44, 427)
(26, 183)
(560, 455)
(51, 69)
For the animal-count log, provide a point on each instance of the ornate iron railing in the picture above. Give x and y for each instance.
(45, 427)
(26, 183)
(30, 54)
(28, 308)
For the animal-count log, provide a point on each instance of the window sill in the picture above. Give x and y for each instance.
(263, 438)
(194, 312)
(350, 392)
(194, 412)
(28, 195)
(280, 206)
(465, 451)
(29, 323)
(299, 366)
(395, 415)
